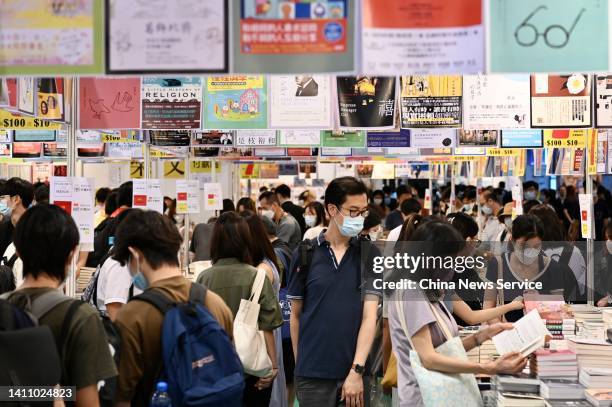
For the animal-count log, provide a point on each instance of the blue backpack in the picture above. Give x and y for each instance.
(201, 365)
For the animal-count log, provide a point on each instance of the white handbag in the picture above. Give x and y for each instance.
(249, 340)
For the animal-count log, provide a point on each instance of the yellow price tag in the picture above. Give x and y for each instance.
(565, 138)
(13, 121)
(503, 152)
(117, 138)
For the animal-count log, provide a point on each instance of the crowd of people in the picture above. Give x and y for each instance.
(327, 332)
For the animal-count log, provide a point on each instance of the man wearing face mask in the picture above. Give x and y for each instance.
(17, 196)
(288, 229)
(530, 191)
(333, 306)
(490, 207)
(148, 243)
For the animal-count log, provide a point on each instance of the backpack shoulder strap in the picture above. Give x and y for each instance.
(197, 293)
(41, 305)
(157, 299)
(305, 253)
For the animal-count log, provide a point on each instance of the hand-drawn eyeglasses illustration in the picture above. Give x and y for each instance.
(555, 36)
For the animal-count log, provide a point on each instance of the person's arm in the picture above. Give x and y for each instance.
(567, 215)
(472, 317)
(266, 267)
(284, 232)
(490, 294)
(294, 324)
(82, 260)
(112, 310)
(352, 390)
(87, 396)
(265, 382)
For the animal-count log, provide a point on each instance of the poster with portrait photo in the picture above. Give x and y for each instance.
(561, 101)
(213, 138)
(366, 102)
(479, 138)
(300, 101)
(603, 101)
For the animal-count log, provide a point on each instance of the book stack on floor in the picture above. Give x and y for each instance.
(521, 391)
(549, 364)
(598, 384)
(592, 352)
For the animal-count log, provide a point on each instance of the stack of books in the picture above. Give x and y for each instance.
(561, 389)
(517, 391)
(592, 352)
(595, 378)
(599, 397)
(589, 314)
(520, 400)
(593, 330)
(488, 352)
(561, 328)
(554, 364)
(556, 314)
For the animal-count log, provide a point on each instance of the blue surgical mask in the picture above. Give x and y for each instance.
(487, 210)
(139, 280)
(530, 196)
(387, 200)
(310, 220)
(5, 210)
(350, 227)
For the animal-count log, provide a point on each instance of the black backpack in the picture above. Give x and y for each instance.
(7, 277)
(24, 344)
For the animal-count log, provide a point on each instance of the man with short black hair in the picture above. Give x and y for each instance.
(395, 218)
(287, 228)
(490, 208)
(333, 305)
(408, 207)
(530, 191)
(283, 192)
(17, 195)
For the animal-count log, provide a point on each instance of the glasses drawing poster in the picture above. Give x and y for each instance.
(236, 102)
(436, 36)
(431, 101)
(366, 101)
(109, 103)
(293, 27)
(548, 35)
(560, 101)
(171, 103)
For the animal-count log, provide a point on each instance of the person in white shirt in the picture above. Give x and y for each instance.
(115, 288)
(17, 195)
(314, 216)
(491, 208)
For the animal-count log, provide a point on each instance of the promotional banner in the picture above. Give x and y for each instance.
(366, 101)
(431, 101)
(236, 102)
(170, 138)
(254, 138)
(565, 138)
(586, 215)
(560, 100)
(288, 138)
(479, 138)
(548, 35)
(603, 100)
(147, 194)
(188, 197)
(161, 36)
(433, 138)
(389, 138)
(75, 195)
(43, 37)
(109, 103)
(493, 102)
(298, 36)
(300, 101)
(174, 103)
(213, 138)
(332, 138)
(522, 138)
(438, 36)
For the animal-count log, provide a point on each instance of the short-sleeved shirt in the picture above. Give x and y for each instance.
(394, 219)
(140, 325)
(417, 313)
(200, 242)
(332, 307)
(288, 230)
(85, 354)
(17, 266)
(114, 284)
(233, 281)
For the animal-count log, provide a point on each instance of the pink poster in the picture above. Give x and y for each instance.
(109, 103)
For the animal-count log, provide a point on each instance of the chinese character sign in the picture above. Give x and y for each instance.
(431, 101)
(366, 101)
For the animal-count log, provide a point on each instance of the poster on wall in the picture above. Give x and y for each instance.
(433, 138)
(602, 151)
(290, 138)
(177, 138)
(438, 36)
(213, 196)
(603, 101)
(548, 35)
(333, 138)
(109, 103)
(161, 36)
(171, 103)
(493, 102)
(299, 36)
(51, 36)
(213, 138)
(521, 138)
(50, 98)
(478, 138)
(560, 101)
(76, 196)
(379, 139)
(147, 194)
(236, 102)
(366, 102)
(188, 196)
(26, 95)
(254, 138)
(300, 101)
(431, 101)
(8, 93)
(54, 150)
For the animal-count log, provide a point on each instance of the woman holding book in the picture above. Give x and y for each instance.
(421, 324)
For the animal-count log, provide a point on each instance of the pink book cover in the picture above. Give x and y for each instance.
(109, 103)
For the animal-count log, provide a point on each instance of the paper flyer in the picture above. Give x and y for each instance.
(431, 101)
(517, 198)
(586, 215)
(366, 102)
(213, 138)
(333, 138)
(213, 196)
(61, 36)
(76, 196)
(548, 36)
(170, 138)
(162, 36)
(171, 103)
(255, 138)
(438, 36)
(522, 138)
(300, 101)
(390, 139)
(602, 150)
(561, 101)
(433, 138)
(188, 196)
(236, 102)
(289, 138)
(603, 100)
(26, 95)
(303, 36)
(147, 194)
(494, 102)
(109, 103)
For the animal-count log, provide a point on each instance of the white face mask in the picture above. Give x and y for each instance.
(468, 207)
(378, 201)
(609, 246)
(310, 220)
(527, 256)
(508, 223)
(487, 210)
(268, 213)
(374, 235)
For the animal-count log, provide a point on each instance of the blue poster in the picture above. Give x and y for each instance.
(521, 139)
(548, 35)
(383, 139)
(34, 135)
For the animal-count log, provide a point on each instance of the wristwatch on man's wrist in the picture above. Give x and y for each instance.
(359, 369)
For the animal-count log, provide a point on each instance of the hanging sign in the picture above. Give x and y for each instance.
(366, 101)
(236, 102)
(586, 215)
(109, 103)
(331, 138)
(565, 138)
(11, 121)
(255, 138)
(171, 103)
(213, 196)
(560, 101)
(300, 101)
(75, 195)
(249, 171)
(147, 194)
(174, 169)
(188, 197)
(431, 101)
